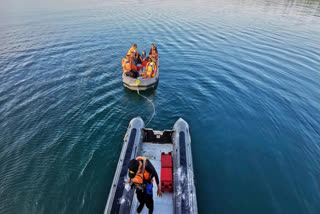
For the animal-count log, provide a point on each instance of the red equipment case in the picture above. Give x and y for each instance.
(166, 160)
(166, 179)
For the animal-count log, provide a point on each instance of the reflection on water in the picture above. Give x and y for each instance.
(244, 74)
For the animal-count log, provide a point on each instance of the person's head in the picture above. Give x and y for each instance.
(149, 60)
(144, 53)
(135, 45)
(128, 56)
(152, 45)
(133, 167)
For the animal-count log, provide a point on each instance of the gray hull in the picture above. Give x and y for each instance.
(140, 83)
(140, 141)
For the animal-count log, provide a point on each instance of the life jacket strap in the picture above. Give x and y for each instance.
(143, 166)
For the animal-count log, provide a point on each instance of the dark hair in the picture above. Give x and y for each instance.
(133, 167)
(135, 45)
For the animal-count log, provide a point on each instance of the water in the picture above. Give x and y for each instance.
(244, 74)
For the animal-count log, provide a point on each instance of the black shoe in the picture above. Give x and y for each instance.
(139, 209)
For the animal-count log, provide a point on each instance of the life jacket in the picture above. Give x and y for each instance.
(126, 64)
(144, 176)
(132, 50)
(153, 52)
(151, 69)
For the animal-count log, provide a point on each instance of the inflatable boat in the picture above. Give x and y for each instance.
(154, 145)
(140, 83)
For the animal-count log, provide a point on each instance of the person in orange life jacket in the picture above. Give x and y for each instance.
(133, 52)
(153, 53)
(150, 69)
(128, 67)
(141, 173)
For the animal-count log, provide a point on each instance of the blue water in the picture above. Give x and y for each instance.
(244, 74)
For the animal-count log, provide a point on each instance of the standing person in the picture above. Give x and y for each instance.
(153, 52)
(142, 172)
(129, 68)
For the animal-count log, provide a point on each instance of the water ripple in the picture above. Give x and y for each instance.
(245, 75)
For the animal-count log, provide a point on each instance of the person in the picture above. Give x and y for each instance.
(141, 173)
(153, 53)
(150, 69)
(128, 67)
(138, 60)
(144, 58)
(133, 52)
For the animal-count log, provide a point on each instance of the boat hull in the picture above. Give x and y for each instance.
(141, 141)
(140, 83)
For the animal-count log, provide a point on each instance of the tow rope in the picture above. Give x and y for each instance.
(149, 100)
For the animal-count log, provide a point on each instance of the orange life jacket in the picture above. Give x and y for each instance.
(126, 64)
(153, 52)
(132, 50)
(151, 69)
(140, 179)
(143, 176)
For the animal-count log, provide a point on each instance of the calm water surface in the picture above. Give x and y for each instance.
(244, 74)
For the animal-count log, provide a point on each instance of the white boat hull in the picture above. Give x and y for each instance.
(140, 83)
(140, 141)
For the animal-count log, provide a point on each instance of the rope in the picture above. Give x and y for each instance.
(150, 101)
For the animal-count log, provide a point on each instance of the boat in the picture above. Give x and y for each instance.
(140, 83)
(152, 144)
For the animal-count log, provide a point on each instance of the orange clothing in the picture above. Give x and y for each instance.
(127, 65)
(151, 69)
(154, 53)
(140, 178)
(132, 50)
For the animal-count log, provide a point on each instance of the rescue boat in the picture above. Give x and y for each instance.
(140, 83)
(180, 197)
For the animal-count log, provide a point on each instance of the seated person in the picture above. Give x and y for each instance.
(129, 68)
(133, 52)
(151, 69)
(139, 59)
(153, 53)
(144, 58)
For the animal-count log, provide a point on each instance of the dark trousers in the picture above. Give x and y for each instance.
(144, 198)
(132, 73)
(138, 60)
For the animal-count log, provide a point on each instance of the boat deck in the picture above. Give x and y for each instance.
(163, 204)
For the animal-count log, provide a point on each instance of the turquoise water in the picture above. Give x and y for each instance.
(244, 74)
